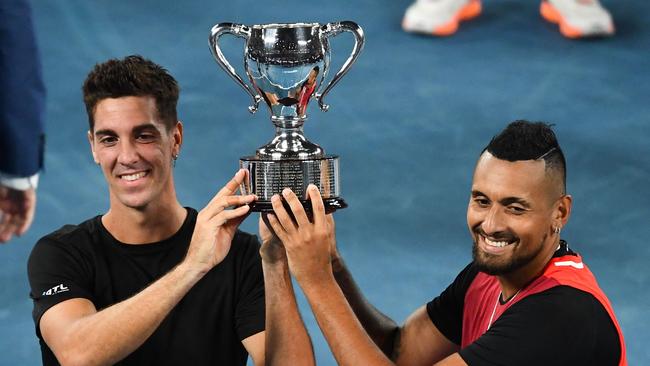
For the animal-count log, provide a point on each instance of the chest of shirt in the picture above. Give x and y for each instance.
(118, 275)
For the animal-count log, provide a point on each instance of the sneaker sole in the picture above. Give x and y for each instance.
(467, 12)
(552, 15)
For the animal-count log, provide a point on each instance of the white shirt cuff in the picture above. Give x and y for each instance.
(18, 183)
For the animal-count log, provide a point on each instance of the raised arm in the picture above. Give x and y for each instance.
(309, 246)
(381, 329)
(287, 340)
(414, 343)
(78, 334)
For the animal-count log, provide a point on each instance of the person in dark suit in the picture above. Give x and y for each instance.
(22, 107)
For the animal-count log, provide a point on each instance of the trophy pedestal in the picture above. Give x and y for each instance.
(267, 177)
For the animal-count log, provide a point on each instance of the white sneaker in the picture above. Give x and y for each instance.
(439, 17)
(578, 18)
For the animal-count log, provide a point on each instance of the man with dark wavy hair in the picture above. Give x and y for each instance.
(149, 282)
(526, 298)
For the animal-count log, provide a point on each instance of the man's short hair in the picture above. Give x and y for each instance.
(524, 140)
(132, 76)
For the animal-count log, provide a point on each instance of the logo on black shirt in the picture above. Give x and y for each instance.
(56, 290)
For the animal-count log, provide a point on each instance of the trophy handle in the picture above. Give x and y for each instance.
(331, 30)
(238, 30)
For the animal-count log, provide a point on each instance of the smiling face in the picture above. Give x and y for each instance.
(134, 150)
(513, 210)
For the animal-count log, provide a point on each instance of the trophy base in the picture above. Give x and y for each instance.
(331, 205)
(267, 178)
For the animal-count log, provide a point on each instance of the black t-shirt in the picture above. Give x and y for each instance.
(205, 328)
(559, 326)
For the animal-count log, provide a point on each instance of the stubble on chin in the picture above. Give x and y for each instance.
(494, 266)
(486, 262)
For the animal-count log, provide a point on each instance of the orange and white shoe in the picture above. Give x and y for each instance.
(578, 18)
(439, 17)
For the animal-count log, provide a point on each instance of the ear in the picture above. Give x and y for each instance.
(91, 140)
(177, 136)
(562, 211)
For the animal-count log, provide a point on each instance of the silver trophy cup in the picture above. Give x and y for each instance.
(286, 65)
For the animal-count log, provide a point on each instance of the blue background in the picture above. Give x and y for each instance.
(408, 121)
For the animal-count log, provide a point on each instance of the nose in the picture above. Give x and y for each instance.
(493, 221)
(128, 153)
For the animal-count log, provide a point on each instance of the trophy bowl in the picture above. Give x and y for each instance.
(286, 65)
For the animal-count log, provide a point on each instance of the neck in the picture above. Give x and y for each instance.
(515, 281)
(150, 224)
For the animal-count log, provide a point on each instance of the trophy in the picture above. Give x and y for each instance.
(286, 65)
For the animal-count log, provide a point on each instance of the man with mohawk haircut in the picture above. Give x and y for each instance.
(526, 298)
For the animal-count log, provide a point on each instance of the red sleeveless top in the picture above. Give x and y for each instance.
(482, 307)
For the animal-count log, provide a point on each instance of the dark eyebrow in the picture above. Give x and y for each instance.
(476, 193)
(105, 132)
(137, 129)
(505, 201)
(145, 127)
(510, 200)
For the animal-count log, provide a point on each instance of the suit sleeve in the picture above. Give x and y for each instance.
(22, 92)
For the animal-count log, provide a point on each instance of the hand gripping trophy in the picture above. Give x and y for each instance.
(286, 64)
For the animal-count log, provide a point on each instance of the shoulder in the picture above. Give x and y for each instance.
(559, 326)
(563, 309)
(65, 257)
(67, 232)
(68, 239)
(446, 310)
(72, 233)
(467, 276)
(461, 283)
(566, 304)
(566, 315)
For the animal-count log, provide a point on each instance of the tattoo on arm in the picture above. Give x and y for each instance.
(381, 329)
(397, 348)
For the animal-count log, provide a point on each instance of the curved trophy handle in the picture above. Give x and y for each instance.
(238, 30)
(331, 30)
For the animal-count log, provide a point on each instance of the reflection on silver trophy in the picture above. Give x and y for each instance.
(286, 65)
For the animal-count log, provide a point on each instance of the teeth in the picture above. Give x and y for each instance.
(499, 244)
(132, 177)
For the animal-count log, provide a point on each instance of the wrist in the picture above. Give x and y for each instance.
(187, 269)
(317, 283)
(273, 254)
(315, 279)
(275, 264)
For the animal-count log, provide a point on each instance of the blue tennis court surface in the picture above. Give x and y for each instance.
(408, 122)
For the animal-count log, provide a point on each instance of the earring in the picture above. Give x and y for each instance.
(557, 229)
(174, 158)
